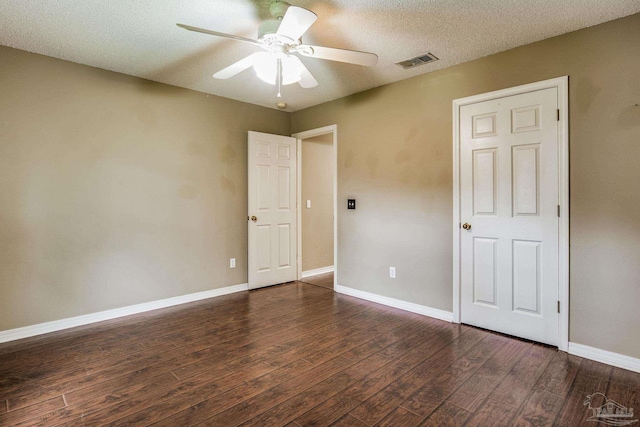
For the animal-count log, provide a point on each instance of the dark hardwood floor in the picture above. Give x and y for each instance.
(325, 280)
(296, 355)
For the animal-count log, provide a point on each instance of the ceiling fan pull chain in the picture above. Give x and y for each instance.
(279, 77)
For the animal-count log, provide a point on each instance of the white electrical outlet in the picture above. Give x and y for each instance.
(392, 272)
(232, 263)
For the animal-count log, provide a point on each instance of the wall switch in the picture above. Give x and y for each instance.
(392, 272)
(308, 204)
(351, 203)
(232, 263)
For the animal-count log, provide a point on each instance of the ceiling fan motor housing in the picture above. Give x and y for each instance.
(278, 9)
(268, 34)
(270, 26)
(267, 31)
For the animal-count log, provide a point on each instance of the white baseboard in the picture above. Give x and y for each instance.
(315, 272)
(447, 316)
(603, 356)
(57, 325)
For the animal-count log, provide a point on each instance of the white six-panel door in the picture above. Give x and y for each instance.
(272, 209)
(509, 202)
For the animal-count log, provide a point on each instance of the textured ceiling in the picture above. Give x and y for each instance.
(140, 38)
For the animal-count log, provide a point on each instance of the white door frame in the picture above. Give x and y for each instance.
(562, 84)
(332, 129)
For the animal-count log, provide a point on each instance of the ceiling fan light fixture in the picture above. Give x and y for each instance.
(265, 65)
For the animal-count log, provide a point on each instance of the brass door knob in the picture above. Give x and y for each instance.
(254, 218)
(466, 226)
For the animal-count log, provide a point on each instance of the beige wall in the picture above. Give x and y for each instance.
(317, 186)
(395, 156)
(115, 190)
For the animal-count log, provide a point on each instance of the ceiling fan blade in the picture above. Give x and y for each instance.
(340, 55)
(296, 22)
(235, 68)
(306, 78)
(215, 33)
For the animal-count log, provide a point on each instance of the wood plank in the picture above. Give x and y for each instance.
(283, 353)
(429, 397)
(447, 415)
(560, 373)
(624, 388)
(256, 324)
(76, 413)
(400, 417)
(493, 413)
(263, 329)
(591, 377)
(216, 403)
(311, 343)
(516, 386)
(289, 410)
(255, 404)
(230, 349)
(298, 320)
(13, 417)
(118, 405)
(348, 399)
(349, 421)
(19, 377)
(61, 381)
(474, 391)
(312, 394)
(128, 384)
(328, 412)
(139, 403)
(386, 400)
(347, 347)
(539, 410)
(30, 394)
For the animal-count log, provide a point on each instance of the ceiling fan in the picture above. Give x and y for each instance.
(280, 37)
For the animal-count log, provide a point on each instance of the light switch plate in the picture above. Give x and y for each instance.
(308, 204)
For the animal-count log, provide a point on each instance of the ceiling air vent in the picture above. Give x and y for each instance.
(418, 60)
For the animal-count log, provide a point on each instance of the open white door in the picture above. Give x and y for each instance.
(509, 202)
(272, 209)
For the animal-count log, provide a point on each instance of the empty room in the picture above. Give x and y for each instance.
(319, 213)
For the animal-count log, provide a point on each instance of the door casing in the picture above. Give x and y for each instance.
(562, 84)
(332, 129)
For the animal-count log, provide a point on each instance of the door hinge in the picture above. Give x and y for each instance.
(558, 110)
(558, 211)
(558, 306)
